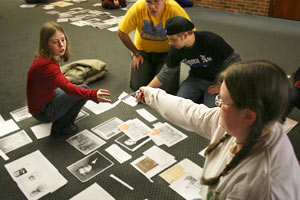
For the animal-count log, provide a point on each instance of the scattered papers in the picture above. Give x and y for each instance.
(135, 129)
(7, 127)
(90, 166)
(35, 175)
(14, 141)
(86, 142)
(61, 4)
(119, 154)
(42, 130)
(289, 124)
(128, 99)
(98, 108)
(153, 162)
(20, 114)
(164, 133)
(109, 128)
(81, 115)
(93, 192)
(184, 178)
(130, 144)
(87, 17)
(146, 115)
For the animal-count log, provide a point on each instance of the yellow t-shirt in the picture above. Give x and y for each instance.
(150, 35)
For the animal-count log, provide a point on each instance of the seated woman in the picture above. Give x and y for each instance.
(113, 4)
(51, 97)
(250, 156)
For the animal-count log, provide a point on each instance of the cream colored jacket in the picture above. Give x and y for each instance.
(271, 170)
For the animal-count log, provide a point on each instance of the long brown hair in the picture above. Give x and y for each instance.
(47, 31)
(262, 87)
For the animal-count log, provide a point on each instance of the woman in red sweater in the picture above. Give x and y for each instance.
(50, 96)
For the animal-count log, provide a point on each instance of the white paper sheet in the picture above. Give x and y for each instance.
(7, 127)
(42, 130)
(146, 115)
(93, 192)
(119, 154)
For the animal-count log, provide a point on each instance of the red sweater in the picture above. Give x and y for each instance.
(43, 77)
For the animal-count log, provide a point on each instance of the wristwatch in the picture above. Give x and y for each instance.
(137, 53)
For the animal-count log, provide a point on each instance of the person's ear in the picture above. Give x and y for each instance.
(185, 35)
(249, 117)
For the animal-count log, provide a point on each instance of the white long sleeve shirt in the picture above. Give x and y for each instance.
(270, 171)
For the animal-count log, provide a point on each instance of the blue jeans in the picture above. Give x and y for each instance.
(195, 89)
(62, 110)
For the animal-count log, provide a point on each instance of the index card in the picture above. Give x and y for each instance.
(7, 127)
(20, 114)
(98, 108)
(41, 130)
(119, 154)
(130, 100)
(146, 115)
(158, 155)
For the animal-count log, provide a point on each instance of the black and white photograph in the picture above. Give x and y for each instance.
(90, 166)
(14, 141)
(86, 142)
(109, 128)
(131, 144)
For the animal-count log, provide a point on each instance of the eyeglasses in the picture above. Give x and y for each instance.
(149, 3)
(219, 102)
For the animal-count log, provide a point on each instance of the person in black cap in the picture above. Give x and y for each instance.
(205, 52)
(150, 46)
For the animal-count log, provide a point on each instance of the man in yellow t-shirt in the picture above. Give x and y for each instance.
(151, 46)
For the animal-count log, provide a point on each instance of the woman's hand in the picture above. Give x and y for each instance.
(140, 96)
(101, 94)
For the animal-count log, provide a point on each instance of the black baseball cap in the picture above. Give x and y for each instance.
(178, 24)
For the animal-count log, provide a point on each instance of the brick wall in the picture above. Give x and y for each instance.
(253, 7)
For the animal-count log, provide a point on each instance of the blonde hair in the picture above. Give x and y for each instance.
(47, 31)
